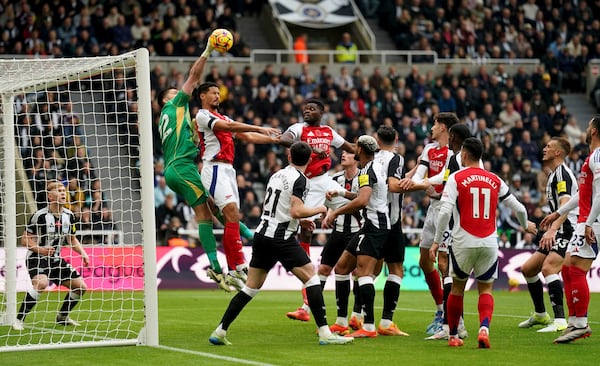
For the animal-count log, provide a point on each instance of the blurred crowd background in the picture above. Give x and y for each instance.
(514, 114)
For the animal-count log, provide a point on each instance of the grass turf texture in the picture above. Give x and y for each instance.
(262, 335)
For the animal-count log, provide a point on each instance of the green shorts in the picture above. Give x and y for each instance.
(185, 180)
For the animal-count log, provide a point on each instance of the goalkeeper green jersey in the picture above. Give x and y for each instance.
(176, 130)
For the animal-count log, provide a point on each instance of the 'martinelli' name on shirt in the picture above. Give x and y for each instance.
(478, 178)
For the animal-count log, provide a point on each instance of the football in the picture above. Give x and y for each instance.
(221, 40)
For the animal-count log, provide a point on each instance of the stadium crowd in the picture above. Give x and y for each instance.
(564, 35)
(95, 27)
(52, 144)
(513, 114)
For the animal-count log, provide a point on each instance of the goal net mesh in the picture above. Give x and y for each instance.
(75, 121)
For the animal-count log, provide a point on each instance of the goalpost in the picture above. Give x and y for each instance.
(77, 120)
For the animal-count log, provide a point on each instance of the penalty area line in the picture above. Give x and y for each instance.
(215, 356)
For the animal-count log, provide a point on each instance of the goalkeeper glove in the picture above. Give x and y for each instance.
(207, 51)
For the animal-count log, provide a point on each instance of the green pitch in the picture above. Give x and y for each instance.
(263, 336)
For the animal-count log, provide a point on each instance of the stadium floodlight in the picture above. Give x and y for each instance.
(84, 110)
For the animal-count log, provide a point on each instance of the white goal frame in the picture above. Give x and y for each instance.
(14, 81)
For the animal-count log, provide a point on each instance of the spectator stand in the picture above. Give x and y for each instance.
(486, 70)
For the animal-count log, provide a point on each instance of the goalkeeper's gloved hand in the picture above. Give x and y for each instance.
(208, 50)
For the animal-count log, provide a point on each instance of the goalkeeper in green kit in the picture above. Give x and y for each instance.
(179, 142)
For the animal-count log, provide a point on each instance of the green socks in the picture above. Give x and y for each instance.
(209, 243)
(245, 232)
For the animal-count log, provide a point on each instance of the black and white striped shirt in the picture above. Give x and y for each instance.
(349, 223)
(51, 230)
(393, 165)
(276, 221)
(376, 212)
(562, 182)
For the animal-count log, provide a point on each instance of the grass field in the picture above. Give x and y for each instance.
(262, 335)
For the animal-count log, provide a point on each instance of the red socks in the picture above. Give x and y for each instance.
(435, 286)
(568, 287)
(580, 292)
(232, 243)
(486, 308)
(454, 306)
(306, 247)
(455, 310)
(304, 296)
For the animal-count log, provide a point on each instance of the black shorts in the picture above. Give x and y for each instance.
(56, 269)
(267, 251)
(394, 248)
(560, 245)
(369, 241)
(333, 249)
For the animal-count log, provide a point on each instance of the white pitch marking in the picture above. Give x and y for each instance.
(218, 357)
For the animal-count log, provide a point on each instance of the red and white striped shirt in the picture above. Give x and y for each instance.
(590, 167)
(317, 137)
(434, 157)
(214, 145)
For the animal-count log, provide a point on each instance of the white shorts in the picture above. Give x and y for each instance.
(483, 261)
(578, 246)
(318, 186)
(429, 227)
(220, 181)
(446, 242)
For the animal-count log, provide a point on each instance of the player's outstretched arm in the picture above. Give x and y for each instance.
(570, 205)
(414, 181)
(196, 71)
(349, 147)
(358, 203)
(299, 211)
(287, 139)
(259, 138)
(238, 127)
(330, 195)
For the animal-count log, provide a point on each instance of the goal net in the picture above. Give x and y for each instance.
(85, 122)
